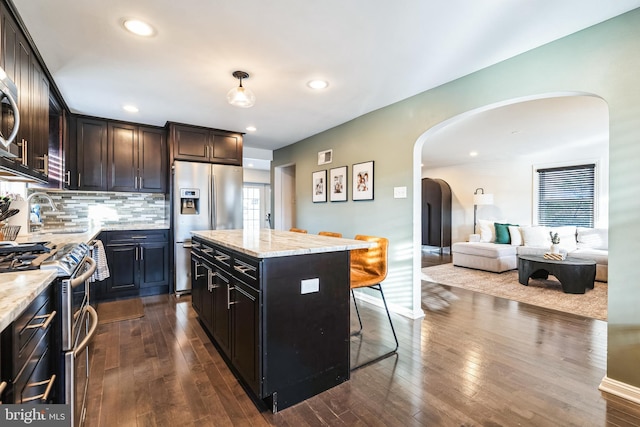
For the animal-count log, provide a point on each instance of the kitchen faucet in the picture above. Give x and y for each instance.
(44, 196)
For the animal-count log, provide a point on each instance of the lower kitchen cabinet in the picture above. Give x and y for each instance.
(28, 345)
(285, 345)
(245, 318)
(138, 264)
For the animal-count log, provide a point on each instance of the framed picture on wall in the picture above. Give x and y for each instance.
(338, 183)
(319, 181)
(362, 181)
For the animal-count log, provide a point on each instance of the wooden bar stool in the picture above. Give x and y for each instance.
(368, 270)
(297, 230)
(329, 233)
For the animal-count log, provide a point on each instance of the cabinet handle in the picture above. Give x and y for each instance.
(44, 396)
(197, 266)
(195, 244)
(67, 178)
(222, 258)
(141, 253)
(44, 325)
(210, 285)
(229, 289)
(207, 250)
(23, 156)
(3, 385)
(137, 257)
(140, 183)
(45, 164)
(138, 237)
(79, 176)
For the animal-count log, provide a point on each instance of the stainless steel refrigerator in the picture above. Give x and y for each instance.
(205, 197)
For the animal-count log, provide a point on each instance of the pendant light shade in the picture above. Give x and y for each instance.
(241, 96)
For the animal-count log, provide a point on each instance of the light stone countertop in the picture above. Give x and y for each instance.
(267, 243)
(17, 290)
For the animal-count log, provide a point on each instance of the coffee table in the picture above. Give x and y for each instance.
(575, 275)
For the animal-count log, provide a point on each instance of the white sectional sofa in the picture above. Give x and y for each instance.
(498, 256)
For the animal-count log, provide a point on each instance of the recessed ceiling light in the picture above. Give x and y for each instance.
(473, 153)
(130, 108)
(318, 84)
(251, 128)
(139, 27)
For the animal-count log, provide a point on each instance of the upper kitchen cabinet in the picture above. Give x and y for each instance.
(22, 66)
(137, 158)
(91, 146)
(205, 145)
(117, 156)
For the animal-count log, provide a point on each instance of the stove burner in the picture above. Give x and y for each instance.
(23, 257)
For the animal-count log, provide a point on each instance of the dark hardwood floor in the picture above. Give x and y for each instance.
(476, 361)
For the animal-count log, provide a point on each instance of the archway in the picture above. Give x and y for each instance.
(464, 208)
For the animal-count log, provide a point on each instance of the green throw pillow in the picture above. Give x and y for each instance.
(502, 233)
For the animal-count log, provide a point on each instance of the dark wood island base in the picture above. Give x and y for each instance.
(280, 322)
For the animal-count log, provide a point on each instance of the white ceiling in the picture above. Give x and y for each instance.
(372, 52)
(536, 130)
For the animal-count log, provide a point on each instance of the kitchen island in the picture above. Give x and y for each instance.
(276, 304)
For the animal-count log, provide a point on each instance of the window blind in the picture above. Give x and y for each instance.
(566, 196)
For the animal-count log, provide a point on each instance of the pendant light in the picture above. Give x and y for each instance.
(241, 96)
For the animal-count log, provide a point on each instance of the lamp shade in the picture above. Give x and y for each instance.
(483, 199)
(241, 97)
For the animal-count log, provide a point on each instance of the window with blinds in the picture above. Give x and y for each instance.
(566, 196)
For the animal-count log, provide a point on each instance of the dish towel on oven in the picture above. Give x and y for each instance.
(100, 257)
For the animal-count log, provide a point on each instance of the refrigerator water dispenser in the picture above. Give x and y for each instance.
(189, 201)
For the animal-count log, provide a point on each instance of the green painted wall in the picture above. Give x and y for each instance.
(603, 60)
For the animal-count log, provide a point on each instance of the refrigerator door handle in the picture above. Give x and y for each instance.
(214, 204)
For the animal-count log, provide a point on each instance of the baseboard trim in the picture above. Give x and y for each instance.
(402, 311)
(620, 389)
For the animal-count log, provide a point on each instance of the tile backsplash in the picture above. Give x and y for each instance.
(79, 208)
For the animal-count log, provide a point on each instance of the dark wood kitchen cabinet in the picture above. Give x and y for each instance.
(28, 348)
(120, 156)
(273, 332)
(22, 66)
(138, 264)
(205, 145)
(136, 159)
(91, 146)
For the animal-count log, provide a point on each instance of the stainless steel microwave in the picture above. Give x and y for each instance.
(9, 115)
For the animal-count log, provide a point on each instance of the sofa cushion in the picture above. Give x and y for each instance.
(483, 249)
(536, 237)
(502, 233)
(598, 255)
(487, 231)
(593, 238)
(515, 235)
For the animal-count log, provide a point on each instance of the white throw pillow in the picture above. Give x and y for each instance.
(537, 237)
(488, 230)
(515, 235)
(593, 238)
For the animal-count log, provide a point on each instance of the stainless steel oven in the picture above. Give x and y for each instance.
(79, 322)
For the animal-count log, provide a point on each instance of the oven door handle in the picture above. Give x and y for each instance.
(84, 276)
(92, 331)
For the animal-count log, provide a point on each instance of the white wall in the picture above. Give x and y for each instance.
(512, 186)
